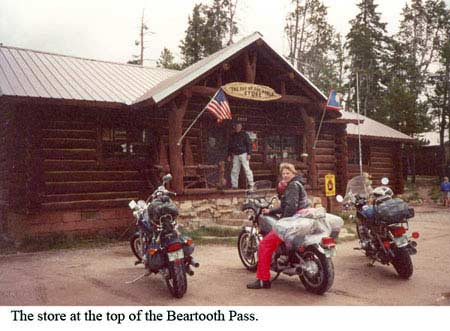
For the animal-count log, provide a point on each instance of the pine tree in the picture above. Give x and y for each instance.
(209, 29)
(310, 39)
(167, 60)
(440, 97)
(420, 30)
(366, 43)
(192, 45)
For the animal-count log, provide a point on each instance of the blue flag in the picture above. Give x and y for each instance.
(334, 101)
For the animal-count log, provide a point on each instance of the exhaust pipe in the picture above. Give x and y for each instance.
(194, 263)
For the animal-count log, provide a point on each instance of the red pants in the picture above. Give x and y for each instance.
(266, 249)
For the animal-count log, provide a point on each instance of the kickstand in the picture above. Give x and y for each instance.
(275, 278)
(371, 264)
(140, 277)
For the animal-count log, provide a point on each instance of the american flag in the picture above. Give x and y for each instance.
(219, 107)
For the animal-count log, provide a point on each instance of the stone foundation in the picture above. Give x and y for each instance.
(224, 211)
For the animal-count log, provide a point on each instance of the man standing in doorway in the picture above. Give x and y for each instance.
(239, 151)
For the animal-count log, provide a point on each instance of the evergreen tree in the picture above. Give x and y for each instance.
(192, 45)
(167, 60)
(312, 43)
(209, 27)
(366, 43)
(420, 30)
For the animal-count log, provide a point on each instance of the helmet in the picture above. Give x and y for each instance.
(281, 187)
(381, 191)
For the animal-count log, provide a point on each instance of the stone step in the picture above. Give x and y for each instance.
(345, 235)
(234, 222)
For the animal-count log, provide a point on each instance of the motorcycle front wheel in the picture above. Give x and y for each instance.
(136, 246)
(248, 250)
(319, 276)
(402, 263)
(176, 280)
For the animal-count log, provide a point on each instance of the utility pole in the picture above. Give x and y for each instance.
(139, 59)
(141, 62)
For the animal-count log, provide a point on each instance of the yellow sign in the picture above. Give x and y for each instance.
(251, 91)
(330, 185)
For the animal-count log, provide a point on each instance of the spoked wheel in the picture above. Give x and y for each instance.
(319, 274)
(176, 280)
(402, 263)
(136, 246)
(248, 250)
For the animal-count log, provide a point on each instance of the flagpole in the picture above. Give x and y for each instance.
(195, 120)
(320, 126)
(357, 118)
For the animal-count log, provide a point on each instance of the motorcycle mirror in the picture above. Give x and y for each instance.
(132, 204)
(339, 198)
(141, 204)
(384, 180)
(167, 178)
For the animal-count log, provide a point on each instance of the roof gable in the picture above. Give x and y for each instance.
(192, 73)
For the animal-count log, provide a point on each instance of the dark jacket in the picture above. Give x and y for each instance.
(239, 144)
(293, 199)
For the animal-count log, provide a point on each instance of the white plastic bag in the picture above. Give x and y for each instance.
(310, 225)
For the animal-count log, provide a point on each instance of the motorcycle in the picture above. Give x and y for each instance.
(381, 224)
(158, 244)
(308, 257)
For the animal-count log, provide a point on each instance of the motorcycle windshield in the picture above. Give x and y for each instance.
(359, 185)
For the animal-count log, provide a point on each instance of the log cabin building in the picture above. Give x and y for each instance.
(81, 138)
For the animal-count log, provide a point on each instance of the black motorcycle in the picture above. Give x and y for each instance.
(158, 244)
(308, 257)
(381, 224)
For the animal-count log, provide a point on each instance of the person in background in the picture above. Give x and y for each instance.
(293, 199)
(239, 152)
(445, 190)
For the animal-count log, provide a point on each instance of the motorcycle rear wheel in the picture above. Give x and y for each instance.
(402, 263)
(323, 280)
(248, 250)
(176, 281)
(136, 246)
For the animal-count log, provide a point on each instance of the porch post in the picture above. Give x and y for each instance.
(250, 67)
(310, 135)
(175, 118)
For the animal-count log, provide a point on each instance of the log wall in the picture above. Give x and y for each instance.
(385, 160)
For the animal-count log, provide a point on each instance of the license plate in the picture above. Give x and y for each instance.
(177, 255)
(330, 252)
(401, 241)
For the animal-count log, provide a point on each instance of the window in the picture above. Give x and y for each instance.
(284, 147)
(353, 153)
(119, 142)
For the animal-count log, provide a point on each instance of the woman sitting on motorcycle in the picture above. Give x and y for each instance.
(293, 199)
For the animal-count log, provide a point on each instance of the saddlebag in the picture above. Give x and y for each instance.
(392, 211)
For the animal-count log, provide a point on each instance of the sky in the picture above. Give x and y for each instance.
(107, 29)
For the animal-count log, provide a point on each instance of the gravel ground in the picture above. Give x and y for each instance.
(98, 276)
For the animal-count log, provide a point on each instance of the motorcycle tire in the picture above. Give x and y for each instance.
(323, 281)
(248, 250)
(402, 263)
(136, 246)
(176, 281)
